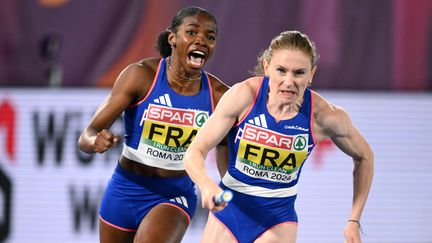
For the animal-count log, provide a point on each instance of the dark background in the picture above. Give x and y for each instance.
(363, 45)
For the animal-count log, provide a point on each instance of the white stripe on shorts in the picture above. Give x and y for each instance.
(242, 187)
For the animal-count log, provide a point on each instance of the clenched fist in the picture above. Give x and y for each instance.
(104, 140)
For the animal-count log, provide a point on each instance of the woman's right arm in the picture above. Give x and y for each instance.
(97, 137)
(231, 106)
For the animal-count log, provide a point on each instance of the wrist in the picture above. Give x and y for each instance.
(354, 221)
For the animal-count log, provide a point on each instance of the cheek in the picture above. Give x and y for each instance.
(275, 82)
(303, 83)
(212, 46)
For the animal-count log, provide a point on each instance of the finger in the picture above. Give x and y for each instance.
(106, 134)
(115, 139)
(218, 207)
(109, 138)
(102, 140)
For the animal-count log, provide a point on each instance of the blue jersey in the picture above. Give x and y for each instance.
(266, 156)
(159, 128)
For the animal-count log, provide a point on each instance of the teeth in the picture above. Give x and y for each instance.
(198, 52)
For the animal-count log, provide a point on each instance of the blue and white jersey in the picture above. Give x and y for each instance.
(266, 156)
(159, 128)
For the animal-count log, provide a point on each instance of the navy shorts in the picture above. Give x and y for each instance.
(248, 217)
(129, 197)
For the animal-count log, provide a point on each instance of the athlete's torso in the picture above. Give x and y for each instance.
(159, 128)
(266, 156)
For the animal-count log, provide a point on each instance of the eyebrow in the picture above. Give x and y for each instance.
(294, 70)
(210, 29)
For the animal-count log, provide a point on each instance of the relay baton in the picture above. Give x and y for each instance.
(223, 197)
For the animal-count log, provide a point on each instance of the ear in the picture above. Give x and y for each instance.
(313, 71)
(265, 67)
(172, 39)
(312, 74)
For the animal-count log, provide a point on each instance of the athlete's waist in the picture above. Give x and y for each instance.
(139, 168)
(229, 181)
(153, 157)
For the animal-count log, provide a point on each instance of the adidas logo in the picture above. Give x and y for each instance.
(259, 121)
(181, 200)
(164, 100)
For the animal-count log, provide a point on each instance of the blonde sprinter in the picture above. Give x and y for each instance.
(273, 122)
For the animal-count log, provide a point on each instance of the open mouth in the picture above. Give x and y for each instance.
(197, 58)
(288, 93)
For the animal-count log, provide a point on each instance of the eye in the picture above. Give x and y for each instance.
(281, 70)
(191, 32)
(211, 37)
(299, 72)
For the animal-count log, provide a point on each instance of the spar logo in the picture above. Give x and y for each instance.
(271, 150)
(274, 139)
(300, 143)
(201, 118)
(192, 118)
(171, 127)
(267, 137)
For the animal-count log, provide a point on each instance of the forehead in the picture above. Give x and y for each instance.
(295, 57)
(199, 20)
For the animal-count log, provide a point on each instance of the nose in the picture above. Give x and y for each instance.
(289, 79)
(200, 40)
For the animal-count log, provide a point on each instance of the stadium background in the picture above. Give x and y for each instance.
(58, 59)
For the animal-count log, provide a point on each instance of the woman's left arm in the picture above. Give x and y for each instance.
(347, 138)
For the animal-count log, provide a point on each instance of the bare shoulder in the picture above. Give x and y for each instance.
(329, 119)
(142, 70)
(240, 97)
(138, 77)
(248, 88)
(149, 64)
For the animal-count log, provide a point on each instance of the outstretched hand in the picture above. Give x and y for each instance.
(104, 140)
